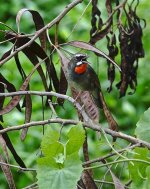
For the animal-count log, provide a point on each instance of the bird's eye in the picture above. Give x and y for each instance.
(80, 57)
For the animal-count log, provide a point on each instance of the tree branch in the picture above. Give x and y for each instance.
(38, 33)
(68, 121)
(70, 99)
(88, 122)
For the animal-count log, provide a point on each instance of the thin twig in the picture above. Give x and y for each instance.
(18, 167)
(106, 182)
(111, 154)
(118, 161)
(43, 113)
(30, 186)
(7, 40)
(79, 20)
(16, 36)
(114, 10)
(52, 108)
(1, 23)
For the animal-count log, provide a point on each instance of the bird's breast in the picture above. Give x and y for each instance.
(81, 69)
(83, 81)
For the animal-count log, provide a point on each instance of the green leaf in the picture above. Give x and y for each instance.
(76, 138)
(148, 177)
(146, 183)
(50, 145)
(138, 170)
(142, 130)
(54, 175)
(61, 166)
(1, 123)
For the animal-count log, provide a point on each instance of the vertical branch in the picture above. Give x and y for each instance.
(56, 34)
(43, 117)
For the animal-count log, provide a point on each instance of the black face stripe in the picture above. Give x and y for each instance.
(80, 57)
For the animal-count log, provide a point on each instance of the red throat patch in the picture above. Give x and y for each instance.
(81, 69)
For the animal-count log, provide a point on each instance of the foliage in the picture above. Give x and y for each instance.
(142, 130)
(138, 170)
(61, 166)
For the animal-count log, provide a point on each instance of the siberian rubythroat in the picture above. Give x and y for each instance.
(84, 80)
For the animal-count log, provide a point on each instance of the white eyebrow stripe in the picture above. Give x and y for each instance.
(79, 63)
(78, 55)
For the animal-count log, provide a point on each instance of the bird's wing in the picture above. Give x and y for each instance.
(95, 86)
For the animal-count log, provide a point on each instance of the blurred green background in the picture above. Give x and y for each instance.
(126, 110)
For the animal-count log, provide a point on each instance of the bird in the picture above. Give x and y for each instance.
(83, 77)
(85, 82)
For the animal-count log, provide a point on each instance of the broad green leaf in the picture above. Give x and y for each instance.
(61, 166)
(148, 177)
(1, 123)
(50, 145)
(142, 130)
(55, 175)
(138, 170)
(146, 183)
(76, 138)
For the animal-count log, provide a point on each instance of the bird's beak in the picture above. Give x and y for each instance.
(86, 62)
(87, 56)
